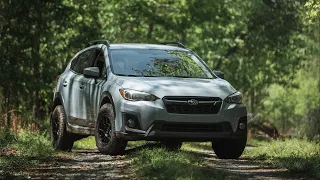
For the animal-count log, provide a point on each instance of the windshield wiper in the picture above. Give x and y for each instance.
(150, 76)
(189, 77)
(181, 76)
(130, 75)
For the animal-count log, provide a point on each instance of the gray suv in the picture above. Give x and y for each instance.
(158, 92)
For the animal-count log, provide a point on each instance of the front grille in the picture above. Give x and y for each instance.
(180, 105)
(193, 127)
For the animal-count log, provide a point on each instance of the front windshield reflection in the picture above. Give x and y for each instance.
(157, 63)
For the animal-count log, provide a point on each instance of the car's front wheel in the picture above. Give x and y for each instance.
(105, 136)
(229, 148)
(61, 139)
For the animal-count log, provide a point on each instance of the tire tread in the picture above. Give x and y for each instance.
(116, 146)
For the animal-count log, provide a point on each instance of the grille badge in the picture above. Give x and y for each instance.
(193, 102)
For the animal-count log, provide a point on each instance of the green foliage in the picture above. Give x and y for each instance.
(135, 144)
(9, 165)
(158, 163)
(23, 151)
(7, 138)
(86, 143)
(90, 143)
(298, 156)
(259, 45)
(197, 146)
(34, 145)
(299, 116)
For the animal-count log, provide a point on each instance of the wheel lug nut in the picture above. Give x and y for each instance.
(242, 126)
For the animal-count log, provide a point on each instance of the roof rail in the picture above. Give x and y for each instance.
(173, 43)
(105, 42)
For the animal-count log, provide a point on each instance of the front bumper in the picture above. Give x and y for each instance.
(157, 132)
(153, 122)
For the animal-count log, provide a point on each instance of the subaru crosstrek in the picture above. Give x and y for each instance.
(157, 92)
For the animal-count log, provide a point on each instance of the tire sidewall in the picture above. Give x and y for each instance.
(60, 113)
(230, 148)
(116, 146)
(106, 109)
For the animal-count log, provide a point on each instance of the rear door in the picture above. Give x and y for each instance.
(78, 103)
(66, 88)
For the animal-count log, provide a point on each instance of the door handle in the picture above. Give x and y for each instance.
(65, 83)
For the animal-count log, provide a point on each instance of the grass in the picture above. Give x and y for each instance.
(12, 165)
(200, 146)
(158, 163)
(134, 144)
(197, 146)
(22, 151)
(85, 143)
(34, 145)
(152, 162)
(298, 156)
(90, 143)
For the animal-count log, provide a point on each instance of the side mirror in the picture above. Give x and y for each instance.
(91, 72)
(219, 74)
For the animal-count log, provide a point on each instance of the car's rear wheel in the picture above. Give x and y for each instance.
(171, 145)
(229, 148)
(61, 139)
(105, 136)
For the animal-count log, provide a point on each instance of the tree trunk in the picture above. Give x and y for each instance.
(7, 104)
(36, 105)
(150, 30)
(183, 37)
(252, 101)
(36, 63)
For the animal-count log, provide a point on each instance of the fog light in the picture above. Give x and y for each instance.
(131, 123)
(242, 126)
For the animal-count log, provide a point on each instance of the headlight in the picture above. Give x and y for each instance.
(234, 98)
(133, 95)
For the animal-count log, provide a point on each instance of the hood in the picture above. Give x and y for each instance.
(172, 86)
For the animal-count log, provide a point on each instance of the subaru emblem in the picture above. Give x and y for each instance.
(193, 102)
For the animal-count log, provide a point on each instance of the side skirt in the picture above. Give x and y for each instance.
(75, 129)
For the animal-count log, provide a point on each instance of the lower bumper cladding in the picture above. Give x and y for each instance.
(185, 131)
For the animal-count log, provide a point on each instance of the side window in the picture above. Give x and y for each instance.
(83, 61)
(73, 63)
(100, 63)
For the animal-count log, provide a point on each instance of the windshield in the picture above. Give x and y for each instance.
(157, 63)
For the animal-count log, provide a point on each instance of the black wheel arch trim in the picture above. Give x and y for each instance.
(107, 95)
(57, 98)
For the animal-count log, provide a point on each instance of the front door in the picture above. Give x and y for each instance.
(94, 87)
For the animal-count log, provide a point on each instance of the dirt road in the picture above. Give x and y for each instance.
(83, 164)
(90, 164)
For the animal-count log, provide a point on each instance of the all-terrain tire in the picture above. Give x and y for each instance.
(171, 145)
(105, 135)
(61, 139)
(229, 148)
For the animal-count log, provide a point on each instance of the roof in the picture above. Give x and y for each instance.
(146, 46)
